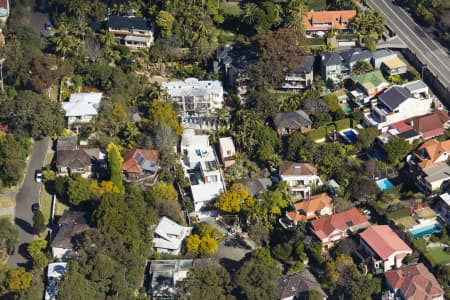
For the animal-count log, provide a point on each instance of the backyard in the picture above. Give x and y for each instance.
(437, 256)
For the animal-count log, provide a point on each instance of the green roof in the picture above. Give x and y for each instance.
(370, 80)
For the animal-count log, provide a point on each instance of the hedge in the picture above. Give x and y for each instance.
(320, 132)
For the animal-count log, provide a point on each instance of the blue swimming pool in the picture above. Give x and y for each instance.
(350, 135)
(426, 230)
(384, 184)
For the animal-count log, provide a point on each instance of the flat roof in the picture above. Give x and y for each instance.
(394, 62)
(439, 172)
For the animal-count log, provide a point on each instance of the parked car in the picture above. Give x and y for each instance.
(35, 207)
(38, 176)
(48, 26)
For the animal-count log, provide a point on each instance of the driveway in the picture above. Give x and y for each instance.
(423, 44)
(27, 195)
(37, 21)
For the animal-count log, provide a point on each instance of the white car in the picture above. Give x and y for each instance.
(38, 176)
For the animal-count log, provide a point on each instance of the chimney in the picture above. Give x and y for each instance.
(297, 170)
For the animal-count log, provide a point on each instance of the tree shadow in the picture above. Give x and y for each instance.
(27, 227)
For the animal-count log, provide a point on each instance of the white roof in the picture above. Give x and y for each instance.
(82, 104)
(226, 143)
(192, 141)
(193, 87)
(206, 192)
(57, 270)
(446, 198)
(170, 234)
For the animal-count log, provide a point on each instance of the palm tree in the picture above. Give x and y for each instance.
(249, 14)
(296, 12)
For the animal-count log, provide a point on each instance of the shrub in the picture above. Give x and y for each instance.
(282, 251)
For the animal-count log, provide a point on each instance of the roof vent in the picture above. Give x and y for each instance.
(297, 170)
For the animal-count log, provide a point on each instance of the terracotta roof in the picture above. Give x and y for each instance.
(336, 18)
(432, 122)
(401, 126)
(324, 226)
(384, 241)
(298, 285)
(433, 149)
(4, 4)
(316, 203)
(130, 159)
(291, 168)
(415, 282)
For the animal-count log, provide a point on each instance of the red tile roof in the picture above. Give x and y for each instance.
(415, 282)
(401, 126)
(434, 149)
(384, 241)
(316, 203)
(340, 19)
(300, 169)
(342, 221)
(130, 164)
(432, 124)
(4, 4)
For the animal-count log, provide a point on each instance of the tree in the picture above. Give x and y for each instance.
(362, 67)
(35, 249)
(208, 282)
(162, 113)
(165, 22)
(204, 240)
(115, 161)
(256, 274)
(366, 138)
(396, 149)
(282, 251)
(296, 11)
(235, 200)
(363, 189)
(75, 286)
(38, 222)
(13, 152)
(165, 138)
(78, 190)
(18, 279)
(164, 191)
(314, 295)
(8, 238)
(280, 51)
(368, 23)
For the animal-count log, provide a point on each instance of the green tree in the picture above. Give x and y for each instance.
(235, 200)
(13, 152)
(362, 67)
(8, 238)
(257, 274)
(78, 190)
(162, 113)
(396, 150)
(282, 251)
(38, 222)
(165, 22)
(115, 161)
(162, 190)
(314, 295)
(18, 279)
(75, 286)
(35, 249)
(204, 240)
(208, 282)
(366, 138)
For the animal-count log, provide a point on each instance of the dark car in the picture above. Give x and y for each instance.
(48, 26)
(35, 207)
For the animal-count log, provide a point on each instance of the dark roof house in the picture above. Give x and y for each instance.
(298, 285)
(306, 66)
(82, 161)
(355, 55)
(67, 143)
(286, 123)
(331, 59)
(119, 22)
(256, 185)
(394, 96)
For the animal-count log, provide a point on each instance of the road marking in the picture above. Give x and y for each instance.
(415, 35)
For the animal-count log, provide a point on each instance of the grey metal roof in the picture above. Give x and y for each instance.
(408, 134)
(415, 85)
(306, 65)
(256, 185)
(119, 22)
(331, 59)
(355, 55)
(382, 53)
(292, 120)
(394, 96)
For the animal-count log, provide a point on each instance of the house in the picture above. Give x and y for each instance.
(399, 103)
(352, 56)
(67, 143)
(169, 236)
(331, 66)
(381, 248)
(317, 206)
(256, 186)
(371, 84)
(443, 206)
(196, 100)
(86, 161)
(165, 274)
(394, 66)
(429, 165)
(298, 285)
(301, 77)
(201, 166)
(381, 55)
(133, 32)
(301, 177)
(141, 166)
(414, 282)
(331, 229)
(81, 108)
(4, 11)
(432, 125)
(227, 151)
(55, 273)
(400, 129)
(316, 21)
(286, 123)
(70, 225)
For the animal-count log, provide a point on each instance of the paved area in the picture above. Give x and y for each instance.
(27, 195)
(37, 22)
(428, 50)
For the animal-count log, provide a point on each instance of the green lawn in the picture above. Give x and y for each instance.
(437, 256)
(407, 221)
(46, 206)
(49, 158)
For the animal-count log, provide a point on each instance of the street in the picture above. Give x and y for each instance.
(27, 195)
(428, 50)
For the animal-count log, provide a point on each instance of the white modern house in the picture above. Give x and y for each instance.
(399, 103)
(201, 166)
(55, 273)
(301, 177)
(196, 101)
(82, 107)
(169, 236)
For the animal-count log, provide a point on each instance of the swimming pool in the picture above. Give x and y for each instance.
(384, 184)
(349, 135)
(426, 230)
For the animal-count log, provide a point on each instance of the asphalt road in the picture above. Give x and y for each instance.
(428, 50)
(27, 195)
